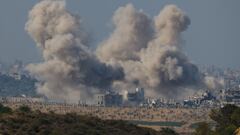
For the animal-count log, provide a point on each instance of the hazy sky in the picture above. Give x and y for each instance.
(212, 38)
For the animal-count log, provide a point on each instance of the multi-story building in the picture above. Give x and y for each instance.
(137, 96)
(231, 95)
(108, 99)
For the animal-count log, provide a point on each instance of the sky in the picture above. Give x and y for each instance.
(213, 38)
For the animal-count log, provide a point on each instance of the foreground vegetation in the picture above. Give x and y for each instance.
(227, 122)
(23, 121)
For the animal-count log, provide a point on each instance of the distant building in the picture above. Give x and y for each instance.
(22, 99)
(231, 95)
(54, 101)
(136, 97)
(206, 99)
(109, 99)
(100, 99)
(15, 76)
(189, 103)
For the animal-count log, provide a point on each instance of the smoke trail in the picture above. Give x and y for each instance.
(69, 67)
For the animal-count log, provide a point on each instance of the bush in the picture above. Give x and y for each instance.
(24, 109)
(4, 109)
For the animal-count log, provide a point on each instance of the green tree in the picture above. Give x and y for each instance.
(227, 121)
(235, 117)
(223, 115)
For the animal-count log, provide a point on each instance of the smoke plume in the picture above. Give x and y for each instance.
(132, 33)
(69, 67)
(141, 51)
(159, 63)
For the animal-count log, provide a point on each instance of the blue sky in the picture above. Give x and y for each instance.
(212, 38)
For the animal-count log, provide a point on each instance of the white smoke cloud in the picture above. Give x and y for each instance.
(140, 52)
(213, 83)
(169, 24)
(131, 34)
(69, 68)
(159, 64)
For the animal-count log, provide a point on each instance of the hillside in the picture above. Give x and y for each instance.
(25, 122)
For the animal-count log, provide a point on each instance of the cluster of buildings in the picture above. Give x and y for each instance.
(160, 102)
(228, 95)
(137, 98)
(206, 99)
(111, 98)
(231, 95)
(21, 99)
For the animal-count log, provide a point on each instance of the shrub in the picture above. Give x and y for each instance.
(24, 109)
(4, 109)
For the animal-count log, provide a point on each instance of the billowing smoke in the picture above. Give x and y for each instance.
(141, 52)
(168, 68)
(69, 67)
(156, 60)
(132, 33)
(213, 83)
